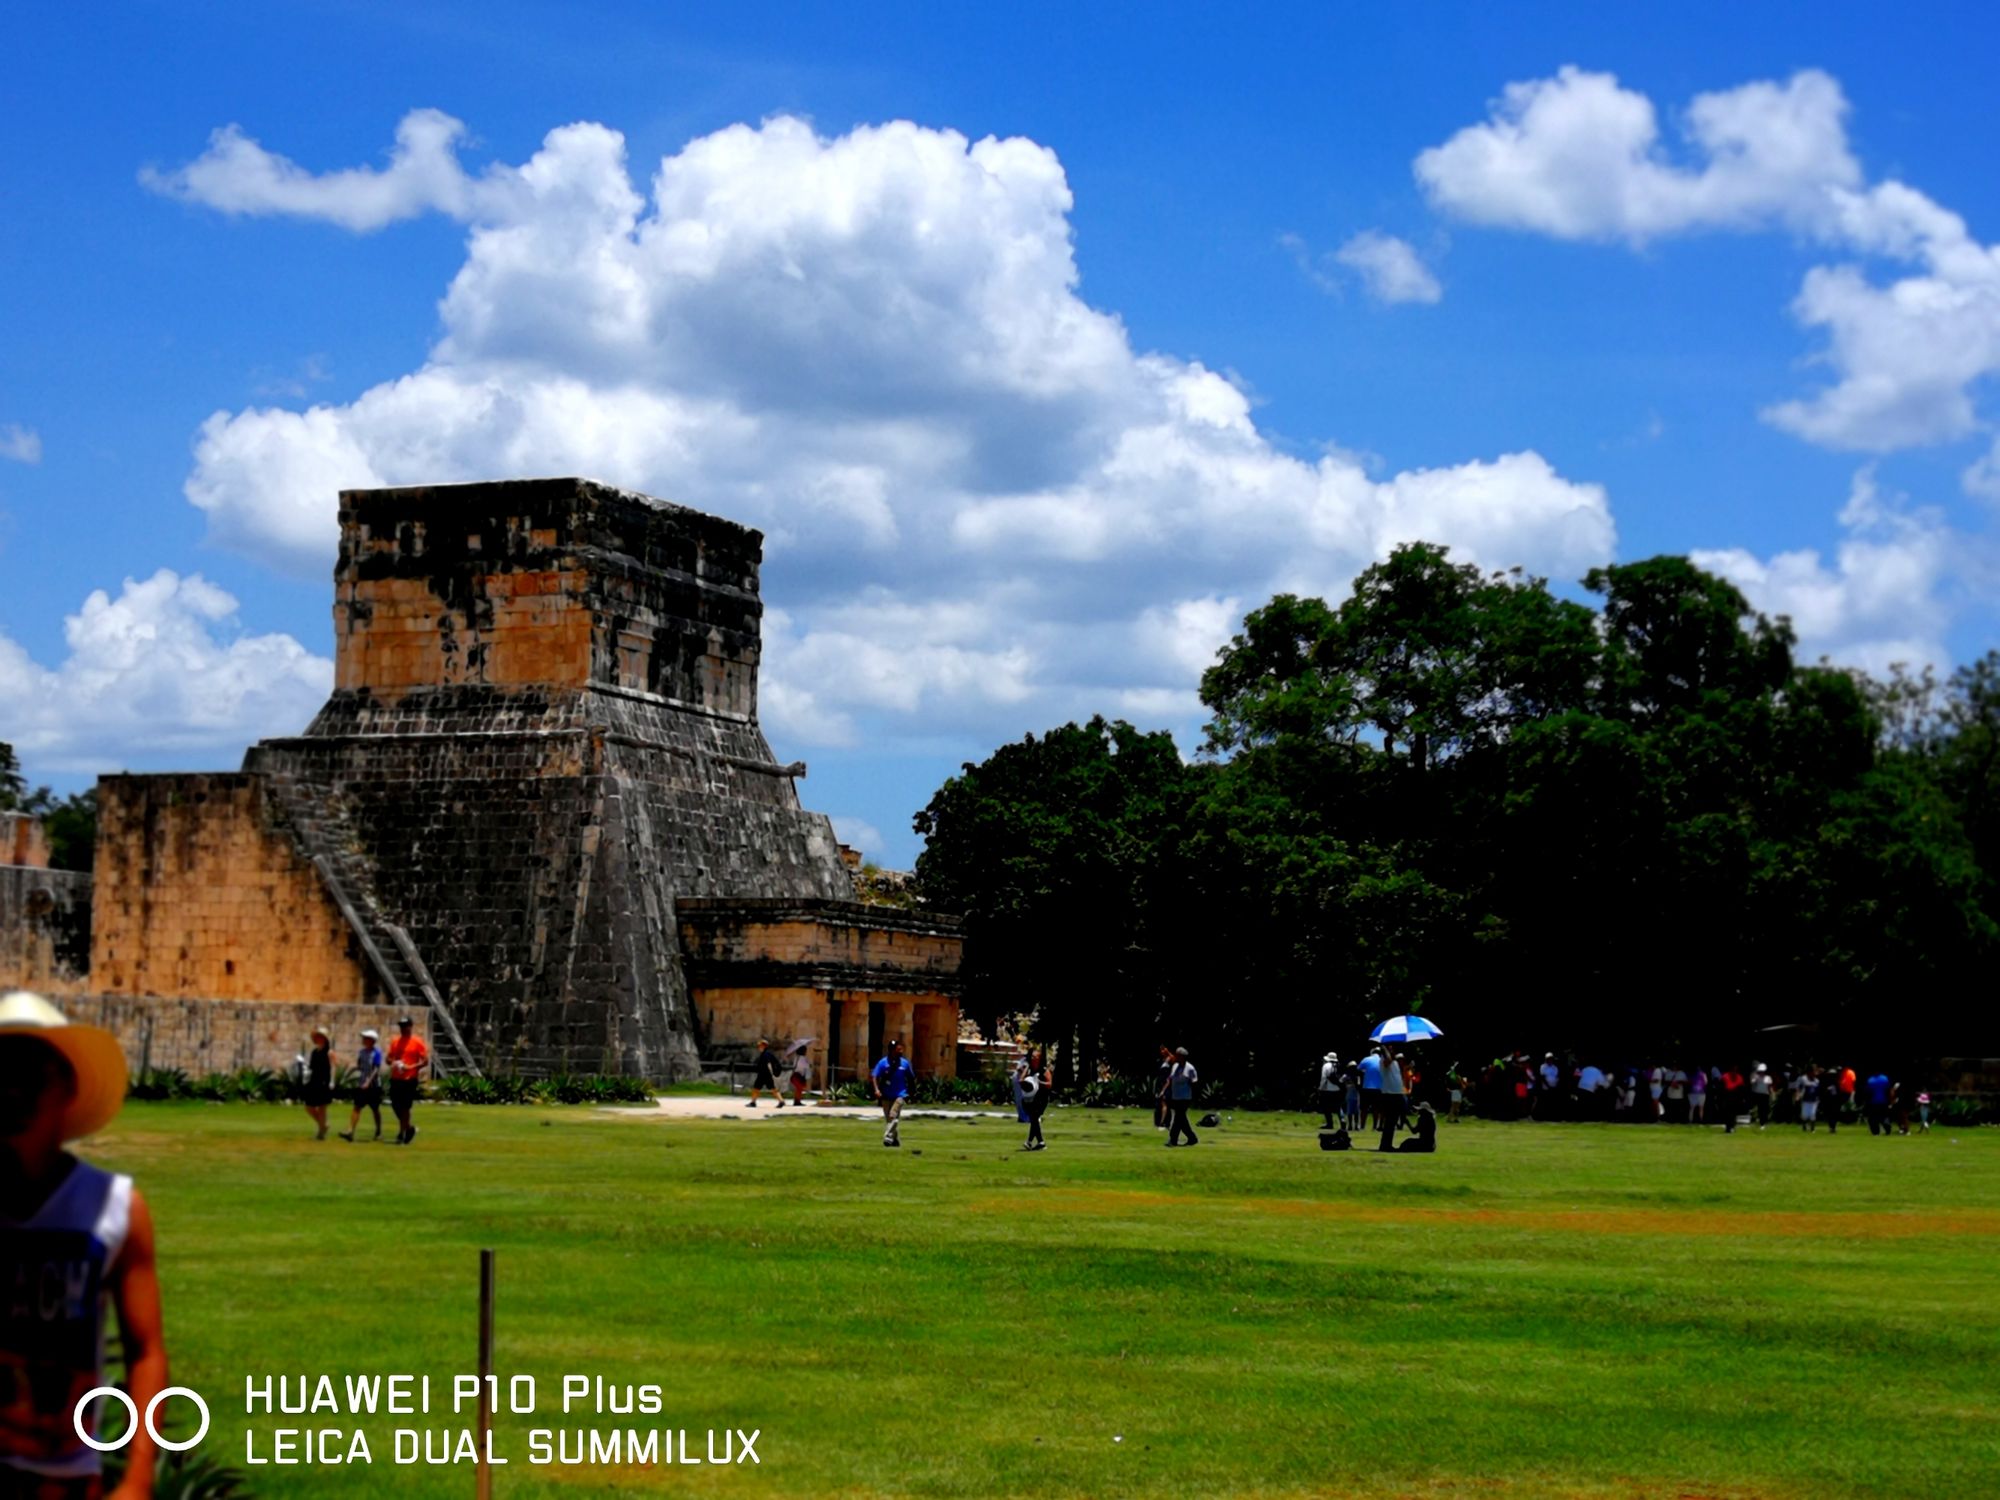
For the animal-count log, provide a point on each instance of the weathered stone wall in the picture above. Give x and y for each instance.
(543, 737)
(220, 1036)
(545, 582)
(848, 974)
(23, 840)
(844, 1024)
(201, 893)
(44, 929)
(819, 934)
(544, 733)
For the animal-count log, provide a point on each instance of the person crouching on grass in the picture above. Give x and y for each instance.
(890, 1083)
(367, 1083)
(67, 1224)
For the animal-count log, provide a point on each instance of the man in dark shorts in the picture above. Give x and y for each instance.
(408, 1057)
(1181, 1083)
(367, 1083)
(890, 1083)
(764, 1074)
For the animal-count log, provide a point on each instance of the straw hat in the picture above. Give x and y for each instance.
(93, 1055)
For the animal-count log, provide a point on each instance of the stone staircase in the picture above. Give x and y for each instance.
(327, 838)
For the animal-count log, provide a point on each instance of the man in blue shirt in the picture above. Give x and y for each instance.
(890, 1083)
(1371, 1089)
(1879, 1094)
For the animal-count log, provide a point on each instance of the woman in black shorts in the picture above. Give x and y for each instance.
(319, 1080)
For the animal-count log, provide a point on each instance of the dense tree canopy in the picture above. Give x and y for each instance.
(1636, 826)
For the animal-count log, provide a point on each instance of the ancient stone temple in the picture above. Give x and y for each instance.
(538, 809)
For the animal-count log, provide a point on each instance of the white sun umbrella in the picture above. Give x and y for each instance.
(1405, 1029)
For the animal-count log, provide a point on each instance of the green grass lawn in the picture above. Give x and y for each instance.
(1570, 1310)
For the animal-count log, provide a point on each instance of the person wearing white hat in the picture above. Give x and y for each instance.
(1329, 1087)
(367, 1083)
(68, 1224)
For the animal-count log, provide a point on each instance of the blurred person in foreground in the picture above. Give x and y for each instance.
(82, 1236)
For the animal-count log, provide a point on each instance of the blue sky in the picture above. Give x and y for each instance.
(1231, 302)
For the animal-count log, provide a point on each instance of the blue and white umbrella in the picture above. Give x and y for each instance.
(1404, 1029)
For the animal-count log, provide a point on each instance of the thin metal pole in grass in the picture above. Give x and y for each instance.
(485, 1471)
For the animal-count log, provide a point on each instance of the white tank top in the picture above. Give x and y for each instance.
(54, 1272)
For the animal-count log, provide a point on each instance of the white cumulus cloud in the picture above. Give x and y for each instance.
(1877, 601)
(1580, 157)
(1389, 268)
(238, 176)
(156, 675)
(977, 492)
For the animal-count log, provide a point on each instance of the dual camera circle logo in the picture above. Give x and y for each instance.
(132, 1418)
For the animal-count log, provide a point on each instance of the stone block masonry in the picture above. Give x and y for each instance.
(221, 1036)
(542, 740)
(23, 841)
(850, 975)
(202, 892)
(44, 929)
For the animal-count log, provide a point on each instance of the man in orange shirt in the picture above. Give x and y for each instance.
(408, 1057)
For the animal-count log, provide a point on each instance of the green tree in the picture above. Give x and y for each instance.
(1675, 636)
(1054, 848)
(13, 786)
(1270, 682)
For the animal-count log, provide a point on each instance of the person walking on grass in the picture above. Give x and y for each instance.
(1548, 1089)
(1162, 1072)
(1454, 1082)
(1393, 1098)
(318, 1092)
(409, 1055)
(367, 1083)
(890, 1083)
(1329, 1088)
(1021, 1066)
(1181, 1081)
(1037, 1082)
(1808, 1091)
(1698, 1097)
(74, 1239)
(1761, 1088)
(1880, 1091)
